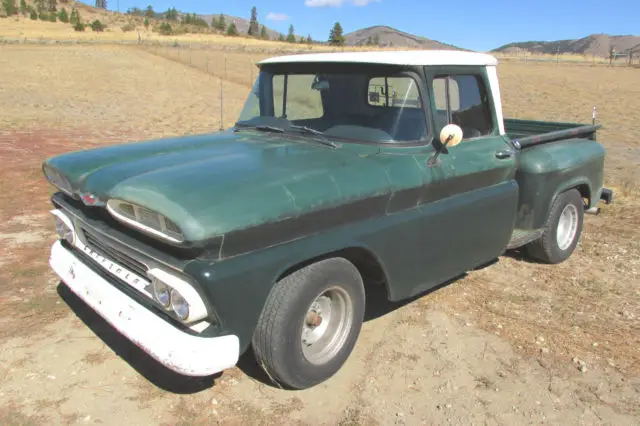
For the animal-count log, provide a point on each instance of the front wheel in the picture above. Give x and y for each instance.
(562, 230)
(310, 323)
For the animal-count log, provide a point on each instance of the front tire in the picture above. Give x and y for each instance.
(562, 230)
(310, 323)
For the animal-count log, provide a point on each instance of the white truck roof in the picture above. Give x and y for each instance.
(397, 57)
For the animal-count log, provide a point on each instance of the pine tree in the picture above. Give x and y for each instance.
(52, 6)
(146, 23)
(280, 37)
(263, 33)
(149, 13)
(74, 18)
(232, 30)
(23, 7)
(171, 14)
(335, 36)
(254, 27)
(291, 37)
(101, 4)
(376, 40)
(62, 15)
(220, 24)
(309, 39)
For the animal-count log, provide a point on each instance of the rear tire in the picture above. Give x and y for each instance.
(562, 230)
(310, 323)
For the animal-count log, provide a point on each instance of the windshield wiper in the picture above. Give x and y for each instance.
(262, 127)
(315, 132)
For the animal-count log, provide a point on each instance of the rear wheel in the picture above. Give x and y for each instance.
(562, 230)
(310, 323)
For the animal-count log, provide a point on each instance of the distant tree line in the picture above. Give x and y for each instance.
(46, 10)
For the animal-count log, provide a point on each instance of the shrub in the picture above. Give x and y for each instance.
(180, 29)
(23, 7)
(146, 22)
(33, 14)
(128, 27)
(10, 7)
(165, 29)
(53, 17)
(62, 15)
(44, 16)
(97, 26)
(79, 26)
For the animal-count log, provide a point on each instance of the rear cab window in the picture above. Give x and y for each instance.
(463, 100)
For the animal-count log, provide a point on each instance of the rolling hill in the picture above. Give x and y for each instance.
(242, 24)
(595, 44)
(391, 37)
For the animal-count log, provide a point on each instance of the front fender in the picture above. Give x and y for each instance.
(238, 287)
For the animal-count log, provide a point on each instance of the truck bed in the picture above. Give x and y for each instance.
(532, 132)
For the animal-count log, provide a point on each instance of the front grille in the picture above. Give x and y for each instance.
(95, 243)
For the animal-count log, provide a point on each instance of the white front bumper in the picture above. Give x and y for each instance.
(182, 352)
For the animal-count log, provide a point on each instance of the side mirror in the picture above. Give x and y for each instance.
(450, 135)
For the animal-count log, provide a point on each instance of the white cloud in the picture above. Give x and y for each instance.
(323, 3)
(337, 3)
(273, 16)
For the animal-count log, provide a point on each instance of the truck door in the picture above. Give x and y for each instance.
(470, 198)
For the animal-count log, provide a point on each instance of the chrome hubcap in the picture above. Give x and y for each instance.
(326, 325)
(567, 226)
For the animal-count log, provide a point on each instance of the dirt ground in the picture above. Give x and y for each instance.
(513, 343)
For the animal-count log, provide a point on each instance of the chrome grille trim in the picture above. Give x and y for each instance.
(94, 242)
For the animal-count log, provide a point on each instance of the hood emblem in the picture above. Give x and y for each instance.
(91, 200)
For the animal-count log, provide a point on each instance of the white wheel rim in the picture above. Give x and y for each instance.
(326, 326)
(567, 226)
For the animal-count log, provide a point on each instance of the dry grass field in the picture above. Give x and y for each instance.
(514, 343)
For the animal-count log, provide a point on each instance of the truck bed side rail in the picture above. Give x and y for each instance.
(586, 131)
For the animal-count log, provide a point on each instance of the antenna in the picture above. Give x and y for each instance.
(221, 107)
(593, 116)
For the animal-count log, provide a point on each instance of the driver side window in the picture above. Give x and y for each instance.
(463, 100)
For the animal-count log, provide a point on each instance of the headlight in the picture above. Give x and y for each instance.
(176, 295)
(161, 292)
(64, 231)
(179, 305)
(57, 179)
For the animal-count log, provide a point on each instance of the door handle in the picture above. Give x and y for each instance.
(502, 155)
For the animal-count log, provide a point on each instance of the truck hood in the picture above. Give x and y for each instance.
(210, 185)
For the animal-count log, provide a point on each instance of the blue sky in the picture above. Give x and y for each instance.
(473, 24)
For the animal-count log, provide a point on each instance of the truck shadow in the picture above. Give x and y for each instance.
(149, 368)
(377, 306)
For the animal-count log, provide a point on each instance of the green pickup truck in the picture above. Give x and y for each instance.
(344, 171)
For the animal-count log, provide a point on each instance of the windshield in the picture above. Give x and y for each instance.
(349, 106)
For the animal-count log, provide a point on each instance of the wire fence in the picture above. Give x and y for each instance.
(627, 60)
(231, 66)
